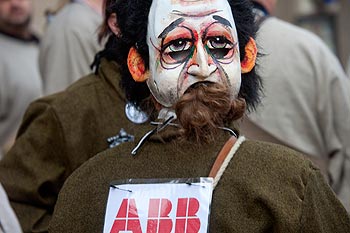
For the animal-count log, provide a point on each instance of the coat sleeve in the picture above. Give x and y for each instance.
(334, 112)
(321, 211)
(32, 172)
(340, 159)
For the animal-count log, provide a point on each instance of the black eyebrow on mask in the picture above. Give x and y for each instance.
(222, 20)
(170, 28)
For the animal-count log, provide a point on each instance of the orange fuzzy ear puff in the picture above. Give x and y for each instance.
(136, 66)
(251, 51)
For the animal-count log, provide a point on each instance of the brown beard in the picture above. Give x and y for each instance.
(204, 108)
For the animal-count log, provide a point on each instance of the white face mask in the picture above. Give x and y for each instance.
(191, 41)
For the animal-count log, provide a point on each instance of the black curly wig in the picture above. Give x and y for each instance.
(132, 18)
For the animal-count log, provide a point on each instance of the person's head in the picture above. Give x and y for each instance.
(191, 55)
(269, 5)
(15, 14)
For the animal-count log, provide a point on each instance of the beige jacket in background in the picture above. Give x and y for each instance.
(8, 220)
(69, 46)
(307, 100)
(20, 83)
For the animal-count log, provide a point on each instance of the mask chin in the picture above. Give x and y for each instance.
(198, 84)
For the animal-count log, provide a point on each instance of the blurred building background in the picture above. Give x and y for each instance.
(329, 19)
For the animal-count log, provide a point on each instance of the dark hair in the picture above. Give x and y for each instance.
(132, 18)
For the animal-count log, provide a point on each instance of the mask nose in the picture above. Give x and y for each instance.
(201, 64)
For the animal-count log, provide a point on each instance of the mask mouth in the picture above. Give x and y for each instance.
(198, 84)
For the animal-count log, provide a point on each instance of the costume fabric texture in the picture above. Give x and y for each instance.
(265, 188)
(69, 46)
(20, 82)
(306, 103)
(58, 134)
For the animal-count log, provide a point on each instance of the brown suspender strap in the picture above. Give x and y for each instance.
(222, 156)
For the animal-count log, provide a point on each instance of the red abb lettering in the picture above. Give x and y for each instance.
(158, 216)
(186, 219)
(158, 221)
(127, 218)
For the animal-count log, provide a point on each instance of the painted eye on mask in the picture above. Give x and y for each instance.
(220, 47)
(177, 51)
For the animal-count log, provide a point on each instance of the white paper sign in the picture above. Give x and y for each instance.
(163, 206)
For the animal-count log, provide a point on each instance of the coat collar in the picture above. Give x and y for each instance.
(109, 71)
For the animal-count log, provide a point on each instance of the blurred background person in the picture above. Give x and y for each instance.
(307, 98)
(60, 132)
(20, 81)
(50, 13)
(8, 220)
(70, 43)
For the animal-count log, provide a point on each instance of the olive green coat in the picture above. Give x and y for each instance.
(58, 134)
(265, 188)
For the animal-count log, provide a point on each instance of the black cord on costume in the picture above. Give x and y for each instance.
(159, 128)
